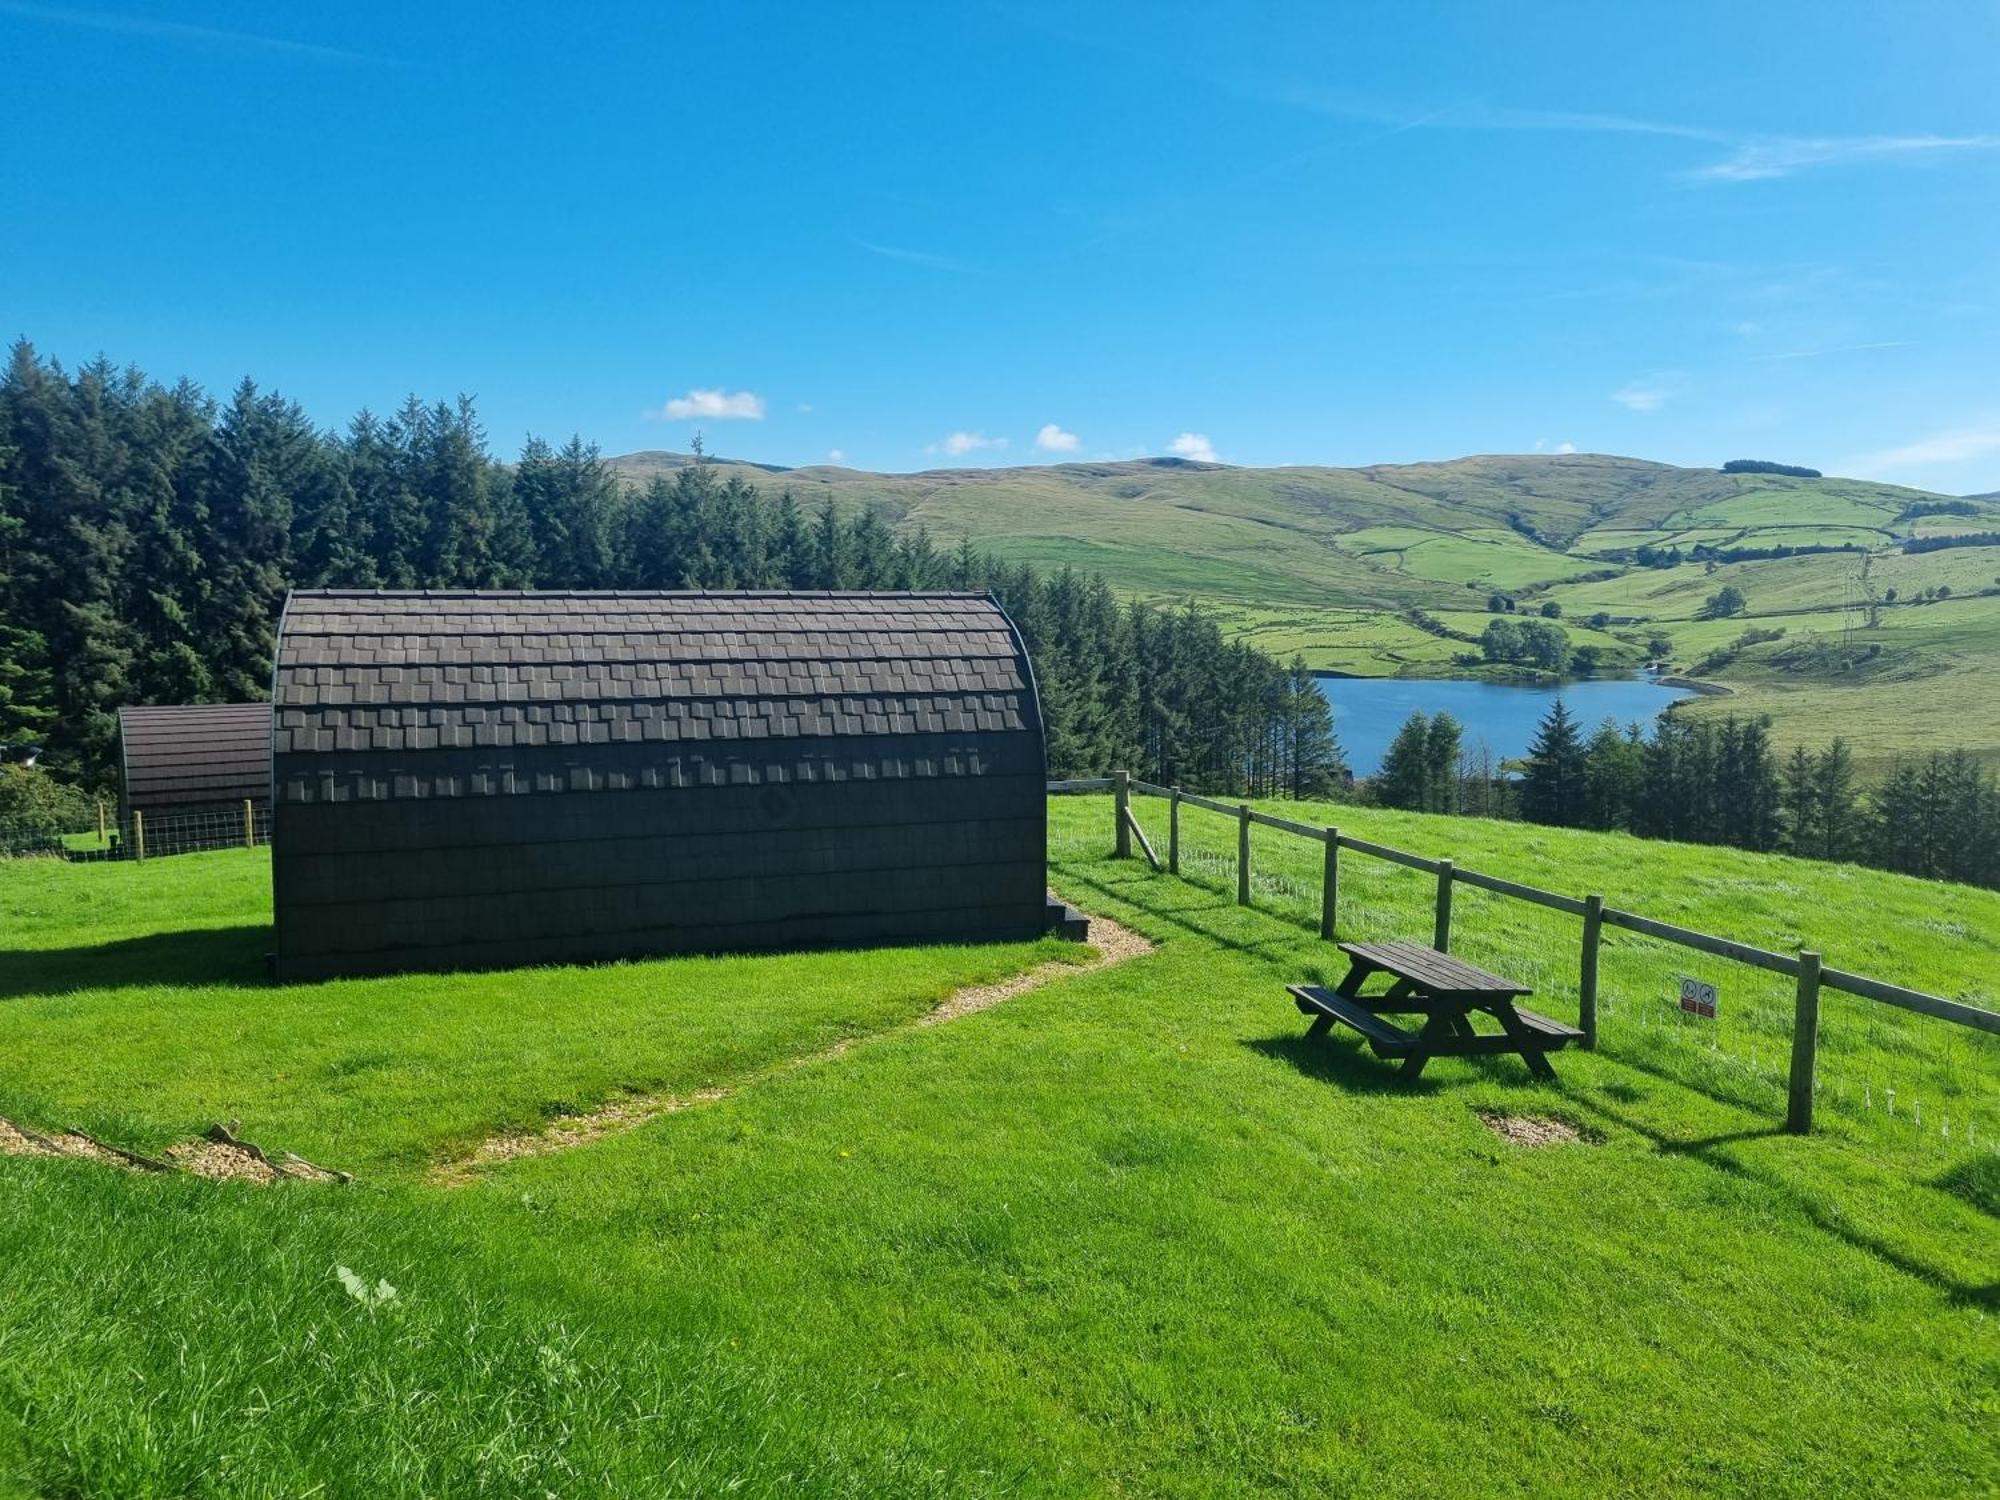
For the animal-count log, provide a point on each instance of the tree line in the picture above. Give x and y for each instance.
(149, 533)
(1703, 782)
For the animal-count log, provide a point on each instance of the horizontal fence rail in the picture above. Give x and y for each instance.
(1804, 967)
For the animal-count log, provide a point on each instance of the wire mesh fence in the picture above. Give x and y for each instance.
(108, 835)
(1908, 1081)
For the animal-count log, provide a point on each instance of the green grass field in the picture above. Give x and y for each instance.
(1125, 1233)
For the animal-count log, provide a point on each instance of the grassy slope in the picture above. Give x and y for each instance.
(384, 1075)
(1323, 561)
(1124, 1233)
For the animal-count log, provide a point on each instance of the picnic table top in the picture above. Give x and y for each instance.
(1438, 973)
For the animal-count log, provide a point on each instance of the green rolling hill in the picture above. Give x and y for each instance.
(1388, 569)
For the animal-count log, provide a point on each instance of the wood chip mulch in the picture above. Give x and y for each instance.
(219, 1155)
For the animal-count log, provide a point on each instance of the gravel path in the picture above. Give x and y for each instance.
(1114, 944)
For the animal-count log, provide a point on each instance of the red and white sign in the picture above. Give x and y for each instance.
(1698, 998)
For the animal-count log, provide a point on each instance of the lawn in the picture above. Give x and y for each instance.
(1124, 1233)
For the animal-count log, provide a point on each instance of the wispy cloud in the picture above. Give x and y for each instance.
(1194, 445)
(958, 444)
(181, 33)
(1760, 160)
(1543, 445)
(922, 258)
(1643, 395)
(1950, 446)
(713, 406)
(1838, 349)
(1052, 439)
(836, 455)
(1750, 157)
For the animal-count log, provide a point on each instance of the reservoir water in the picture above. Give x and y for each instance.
(1367, 711)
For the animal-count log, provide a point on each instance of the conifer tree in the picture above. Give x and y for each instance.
(1552, 787)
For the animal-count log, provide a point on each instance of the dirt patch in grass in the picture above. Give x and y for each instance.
(1114, 944)
(1532, 1130)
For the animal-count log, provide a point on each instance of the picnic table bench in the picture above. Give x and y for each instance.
(1444, 989)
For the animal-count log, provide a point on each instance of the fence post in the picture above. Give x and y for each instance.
(102, 840)
(1441, 934)
(1329, 885)
(1121, 791)
(139, 834)
(1174, 833)
(1243, 855)
(1586, 983)
(249, 825)
(1805, 1047)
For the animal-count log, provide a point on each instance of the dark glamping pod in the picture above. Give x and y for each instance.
(480, 779)
(190, 767)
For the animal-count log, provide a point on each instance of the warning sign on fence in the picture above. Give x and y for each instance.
(1698, 997)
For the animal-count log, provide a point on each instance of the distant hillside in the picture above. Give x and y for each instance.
(1391, 569)
(1387, 536)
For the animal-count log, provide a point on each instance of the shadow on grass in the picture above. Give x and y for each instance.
(1186, 915)
(1348, 1066)
(231, 956)
(1711, 1151)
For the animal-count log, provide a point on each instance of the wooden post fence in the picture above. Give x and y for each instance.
(1811, 975)
(1243, 855)
(1586, 981)
(249, 824)
(139, 835)
(1329, 885)
(102, 839)
(1441, 930)
(1805, 1047)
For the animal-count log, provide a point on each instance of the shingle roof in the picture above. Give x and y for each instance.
(186, 755)
(383, 673)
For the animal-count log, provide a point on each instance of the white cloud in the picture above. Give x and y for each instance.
(1641, 395)
(1194, 445)
(1543, 445)
(1838, 349)
(1951, 446)
(1757, 161)
(803, 406)
(836, 455)
(1748, 158)
(961, 443)
(714, 406)
(922, 258)
(1052, 439)
(205, 37)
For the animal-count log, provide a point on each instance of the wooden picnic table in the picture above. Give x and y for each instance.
(1444, 989)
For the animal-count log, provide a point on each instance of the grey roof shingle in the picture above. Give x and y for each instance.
(195, 754)
(408, 675)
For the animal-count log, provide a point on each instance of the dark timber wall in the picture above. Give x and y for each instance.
(194, 758)
(486, 779)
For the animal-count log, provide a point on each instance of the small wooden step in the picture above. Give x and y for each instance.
(1384, 1039)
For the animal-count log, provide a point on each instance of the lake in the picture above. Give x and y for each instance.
(1367, 711)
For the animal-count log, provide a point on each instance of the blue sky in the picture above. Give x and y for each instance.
(929, 234)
